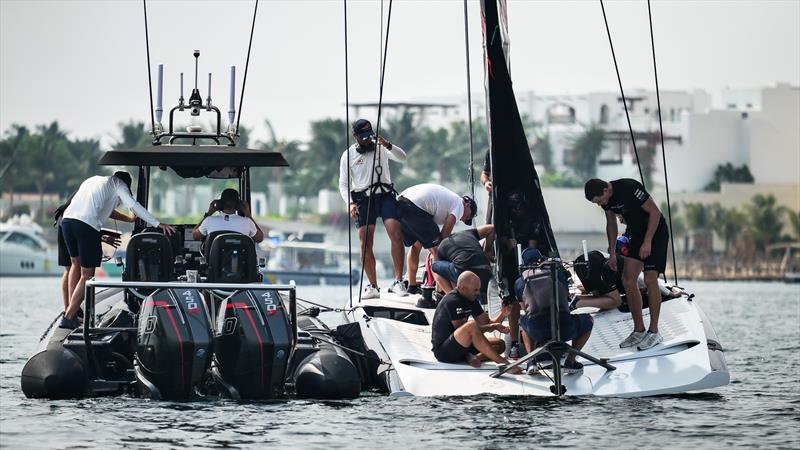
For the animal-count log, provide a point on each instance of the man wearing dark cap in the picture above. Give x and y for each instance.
(235, 216)
(91, 205)
(423, 208)
(369, 195)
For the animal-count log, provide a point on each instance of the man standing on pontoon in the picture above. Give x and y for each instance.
(423, 208)
(94, 201)
(647, 249)
(371, 195)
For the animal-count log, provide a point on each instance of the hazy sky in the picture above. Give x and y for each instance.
(83, 62)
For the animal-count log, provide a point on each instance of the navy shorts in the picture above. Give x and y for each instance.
(451, 351)
(82, 242)
(383, 205)
(417, 225)
(449, 271)
(572, 326)
(63, 253)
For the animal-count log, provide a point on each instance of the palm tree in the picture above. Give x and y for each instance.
(698, 220)
(727, 223)
(586, 148)
(766, 220)
(794, 221)
(47, 152)
(10, 157)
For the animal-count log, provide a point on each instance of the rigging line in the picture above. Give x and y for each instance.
(469, 106)
(346, 140)
(663, 151)
(622, 93)
(149, 76)
(375, 168)
(246, 66)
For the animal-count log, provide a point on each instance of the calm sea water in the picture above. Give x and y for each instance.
(758, 325)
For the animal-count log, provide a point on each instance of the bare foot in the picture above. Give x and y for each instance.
(514, 370)
(473, 360)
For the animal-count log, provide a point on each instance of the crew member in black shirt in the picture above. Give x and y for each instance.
(647, 249)
(455, 338)
(462, 251)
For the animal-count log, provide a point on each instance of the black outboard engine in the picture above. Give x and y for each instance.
(174, 345)
(253, 344)
(148, 258)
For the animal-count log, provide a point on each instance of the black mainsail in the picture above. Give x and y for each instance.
(513, 172)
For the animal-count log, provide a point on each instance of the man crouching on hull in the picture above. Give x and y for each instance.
(647, 250)
(455, 338)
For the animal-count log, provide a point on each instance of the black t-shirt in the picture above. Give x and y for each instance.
(628, 197)
(600, 279)
(464, 250)
(452, 307)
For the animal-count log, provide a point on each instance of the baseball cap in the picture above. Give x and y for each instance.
(473, 209)
(363, 129)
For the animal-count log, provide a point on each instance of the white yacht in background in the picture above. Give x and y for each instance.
(24, 251)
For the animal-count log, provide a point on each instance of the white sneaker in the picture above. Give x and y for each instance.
(399, 288)
(650, 340)
(370, 292)
(634, 338)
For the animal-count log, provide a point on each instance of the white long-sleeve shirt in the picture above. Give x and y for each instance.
(361, 167)
(98, 196)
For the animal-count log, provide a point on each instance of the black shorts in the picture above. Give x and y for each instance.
(571, 326)
(82, 242)
(451, 351)
(383, 205)
(658, 249)
(63, 253)
(417, 225)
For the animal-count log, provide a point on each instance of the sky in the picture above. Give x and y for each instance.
(83, 63)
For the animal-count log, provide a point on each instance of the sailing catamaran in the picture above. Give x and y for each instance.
(689, 359)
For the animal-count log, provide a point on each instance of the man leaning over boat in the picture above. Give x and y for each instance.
(649, 237)
(94, 201)
(369, 195)
(455, 338)
(423, 208)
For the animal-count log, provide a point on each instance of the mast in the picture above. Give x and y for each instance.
(511, 162)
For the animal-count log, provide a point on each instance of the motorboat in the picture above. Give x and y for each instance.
(191, 318)
(24, 250)
(308, 263)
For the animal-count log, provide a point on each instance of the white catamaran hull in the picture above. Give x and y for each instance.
(689, 359)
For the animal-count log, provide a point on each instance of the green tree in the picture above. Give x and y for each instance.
(47, 155)
(794, 222)
(586, 148)
(12, 160)
(765, 220)
(727, 173)
(698, 219)
(727, 223)
(542, 150)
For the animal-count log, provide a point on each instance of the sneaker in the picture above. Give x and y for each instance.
(513, 351)
(399, 288)
(70, 324)
(634, 338)
(573, 305)
(571, 368)
(370, 292)
(413, 289)
(650, 340)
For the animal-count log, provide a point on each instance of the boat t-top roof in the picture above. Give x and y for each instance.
(190, 161)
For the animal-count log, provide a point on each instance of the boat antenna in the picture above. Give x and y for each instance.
(346, 140)
(159, 96)
(469, 106)
(246, 66)
(663, 152)
(149, 76)
(622, 93)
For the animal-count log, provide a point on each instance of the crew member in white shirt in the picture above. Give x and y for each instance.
(423, 208)
(230, 219)
(91, 205)
(371, 195)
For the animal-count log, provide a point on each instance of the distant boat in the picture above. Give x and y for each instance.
(307, 263)
(24, 251)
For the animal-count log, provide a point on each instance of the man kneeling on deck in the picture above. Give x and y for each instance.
(455, 338)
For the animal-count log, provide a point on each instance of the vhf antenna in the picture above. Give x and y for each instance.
(195, 101)
(159, 99)
(232, 105)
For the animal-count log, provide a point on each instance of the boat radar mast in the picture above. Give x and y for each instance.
(195, 107)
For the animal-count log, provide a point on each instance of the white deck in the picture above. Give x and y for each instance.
(681, 363)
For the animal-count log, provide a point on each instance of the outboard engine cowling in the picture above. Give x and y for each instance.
(174, 344)
(253, 343)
